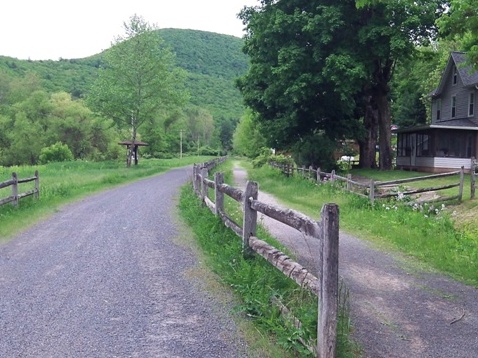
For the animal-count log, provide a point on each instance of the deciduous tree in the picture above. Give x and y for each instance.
(316, 65)
(462, 21)
(139, 78)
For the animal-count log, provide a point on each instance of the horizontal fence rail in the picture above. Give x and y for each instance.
(16, 196)
(326, 286)
(378, 189)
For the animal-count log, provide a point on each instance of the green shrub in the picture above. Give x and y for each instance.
(209, 151)
(57, 152)
(316, 150)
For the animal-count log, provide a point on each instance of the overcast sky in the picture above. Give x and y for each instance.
(50, 29)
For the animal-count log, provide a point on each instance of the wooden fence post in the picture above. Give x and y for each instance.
(329, 281)
(311, 170)
(332, 176)
(318, 175)
(204, 173)
(15, 189)
(372, 191)
(349, 178)
(195, 185)
(473, 178)
(37, 185)
(462, 179)
(303, 171)
(219, 196)
(250, 217)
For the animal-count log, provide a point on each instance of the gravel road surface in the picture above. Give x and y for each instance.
(397, 308)
(104, 277)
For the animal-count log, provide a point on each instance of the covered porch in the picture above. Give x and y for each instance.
(436, 148)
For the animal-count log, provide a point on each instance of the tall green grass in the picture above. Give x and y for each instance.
(427, 233)
(256, 282)
(63, 182)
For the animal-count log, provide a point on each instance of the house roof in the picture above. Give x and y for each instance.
(467, 74)
(136, 142)
(463, 124)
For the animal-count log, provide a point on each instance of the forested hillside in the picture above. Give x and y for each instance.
(42, 103)
(212, 60)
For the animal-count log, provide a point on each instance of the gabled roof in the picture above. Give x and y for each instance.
(467, 74)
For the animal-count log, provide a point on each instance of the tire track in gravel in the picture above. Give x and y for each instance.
(104, 277)
(398, 310)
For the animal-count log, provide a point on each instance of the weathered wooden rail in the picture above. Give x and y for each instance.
(16, 196)
(326, 286)
(377, 189)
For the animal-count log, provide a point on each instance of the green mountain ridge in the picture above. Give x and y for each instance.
(213, 62)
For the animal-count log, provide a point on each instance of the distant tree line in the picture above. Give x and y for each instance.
(56, 109)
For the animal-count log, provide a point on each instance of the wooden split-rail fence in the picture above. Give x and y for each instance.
(325, 286)
(15, 197)
(473, 169)
(381, 189)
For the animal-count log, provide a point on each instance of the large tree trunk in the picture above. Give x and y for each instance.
(368, 143)
(385, 131)
(379, 93)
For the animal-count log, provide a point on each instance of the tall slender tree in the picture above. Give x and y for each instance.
(139, 79)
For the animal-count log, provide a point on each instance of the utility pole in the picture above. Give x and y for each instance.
(181, 144)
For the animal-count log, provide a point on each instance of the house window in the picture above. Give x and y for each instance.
(438, 109)
(457, 144)
(404, 148)
(423, 145)
(453, 106)
(471, 104)
(455, 75)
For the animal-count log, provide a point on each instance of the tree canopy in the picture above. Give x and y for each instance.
(462, 22)
(139, 81)
(322, 65)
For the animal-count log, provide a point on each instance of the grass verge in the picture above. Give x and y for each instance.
(61, 183)
(426, 232)
(256, 283)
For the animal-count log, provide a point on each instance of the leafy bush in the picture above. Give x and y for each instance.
(267, 156)
(316, 150)
(57, 152)
(209, 151)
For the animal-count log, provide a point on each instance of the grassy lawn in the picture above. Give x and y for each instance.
(64, 182)
(435, 234)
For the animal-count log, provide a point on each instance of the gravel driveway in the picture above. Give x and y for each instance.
(397, 308)
(104, 277)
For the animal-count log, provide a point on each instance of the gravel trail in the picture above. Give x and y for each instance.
(397, 308)
(104, 277)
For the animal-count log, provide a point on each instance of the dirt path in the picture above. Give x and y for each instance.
(107, 277)
(397, 308)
